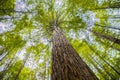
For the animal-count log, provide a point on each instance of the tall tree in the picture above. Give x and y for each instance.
(57, 29)
(67, 65)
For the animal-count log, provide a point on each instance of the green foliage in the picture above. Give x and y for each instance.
(24, 74)
(13, 71)
(7, 7)
(32, 33)
(24, 24)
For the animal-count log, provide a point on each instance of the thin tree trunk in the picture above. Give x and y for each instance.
(109, 45)
(103, 8)
(12, 10)
(22, 66)
(104, 60)
(110, 38)
(96, 66)
(107, 27)
(106, 71)
(44, 73)
(9, 65)
(66, 63)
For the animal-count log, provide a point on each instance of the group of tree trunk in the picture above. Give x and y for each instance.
(66, 62)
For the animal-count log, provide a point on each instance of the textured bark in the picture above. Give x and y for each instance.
(66, 63)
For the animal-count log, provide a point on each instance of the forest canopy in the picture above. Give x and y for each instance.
(29, 43)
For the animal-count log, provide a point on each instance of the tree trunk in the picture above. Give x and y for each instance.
(106, 71)
(96, 66)
(108, 27)
(22, 66)
(104, 60)
(108, 7)
(108, 37)
(66, 63)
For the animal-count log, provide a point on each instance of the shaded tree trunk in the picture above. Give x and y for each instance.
(118, 49)
(22, 66)
(107, 27)
(106, 71)
(107, 7)
(66, 63)
(96, 66)
(110, 38)
(7, 67)
(109, 45)
(104, 60)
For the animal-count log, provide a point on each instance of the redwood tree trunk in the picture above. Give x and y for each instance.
(66, 63)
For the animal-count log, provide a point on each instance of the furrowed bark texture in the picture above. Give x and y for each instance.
(66, 63)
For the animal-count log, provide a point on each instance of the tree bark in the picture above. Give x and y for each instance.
(66, 63)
